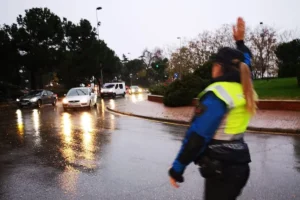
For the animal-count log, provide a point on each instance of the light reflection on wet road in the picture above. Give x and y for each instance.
(92, 154)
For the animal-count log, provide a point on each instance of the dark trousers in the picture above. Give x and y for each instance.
(229, 185)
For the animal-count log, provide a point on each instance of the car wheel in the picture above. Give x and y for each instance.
(54, 102)
(39, 103)
(124, 94)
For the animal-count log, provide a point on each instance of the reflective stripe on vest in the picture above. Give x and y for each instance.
(225, 95)
(235, 122)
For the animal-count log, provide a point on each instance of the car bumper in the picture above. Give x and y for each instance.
(107, 94)
(27, 104)
(76, 105)
(137, 92)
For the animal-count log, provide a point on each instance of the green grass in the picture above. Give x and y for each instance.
(280, 88)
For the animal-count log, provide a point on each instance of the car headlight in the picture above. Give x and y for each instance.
(83, 101)
(34, 99)
(65, 101)
(17, 100)
(140, 90)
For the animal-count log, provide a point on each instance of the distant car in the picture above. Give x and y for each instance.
(81, 97)
(37, 98)
(135, 90)
(113, 90)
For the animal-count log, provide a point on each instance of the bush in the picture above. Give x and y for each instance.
(182, 92)
(298, 77)
(204, 71)
(158, 89)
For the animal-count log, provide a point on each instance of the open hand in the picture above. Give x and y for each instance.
(239, 30)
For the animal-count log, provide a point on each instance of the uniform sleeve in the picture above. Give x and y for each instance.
(201, 131)
(246, 51)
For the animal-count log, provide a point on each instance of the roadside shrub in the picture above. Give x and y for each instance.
(298, 77)
(182, 92)
(204, 71)
(158, 89)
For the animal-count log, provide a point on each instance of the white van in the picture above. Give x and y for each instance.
(113, 89)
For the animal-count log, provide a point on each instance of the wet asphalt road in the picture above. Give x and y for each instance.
(52, 154)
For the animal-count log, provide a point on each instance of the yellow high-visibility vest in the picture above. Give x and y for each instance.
(237, 118)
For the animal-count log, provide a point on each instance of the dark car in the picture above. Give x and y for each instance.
(37, 98)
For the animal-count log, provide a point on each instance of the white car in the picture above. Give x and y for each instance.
(113, 90)
(82, 97)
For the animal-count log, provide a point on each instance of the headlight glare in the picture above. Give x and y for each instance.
(65, 101)
(34, 99)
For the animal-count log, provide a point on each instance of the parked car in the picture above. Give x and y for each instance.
(37, 98)
(81, 97)
(113, 90)
(135, 90)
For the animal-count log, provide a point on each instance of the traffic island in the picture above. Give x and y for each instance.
(265, 121)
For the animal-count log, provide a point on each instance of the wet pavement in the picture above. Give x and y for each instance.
(94, 154)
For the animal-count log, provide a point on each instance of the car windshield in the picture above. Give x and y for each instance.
(35, 93)
(109, 86)
(78, 92)
(134, 87)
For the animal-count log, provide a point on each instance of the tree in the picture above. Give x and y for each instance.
(38, 36)
(42, 44)
(288, 55)
(9, 57)
(85, 56)
(263, 44)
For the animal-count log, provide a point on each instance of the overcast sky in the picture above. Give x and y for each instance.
(129, 26)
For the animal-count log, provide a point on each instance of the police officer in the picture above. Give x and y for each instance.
(214, 141)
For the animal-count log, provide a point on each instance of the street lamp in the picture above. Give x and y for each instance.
(98, 24)
(179, 38)
(130, 75)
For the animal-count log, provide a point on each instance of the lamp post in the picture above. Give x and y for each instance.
(130, 75)
(179, 38)
(262, 35)
(98, 24)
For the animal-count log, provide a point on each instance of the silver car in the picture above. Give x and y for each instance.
(81, 97)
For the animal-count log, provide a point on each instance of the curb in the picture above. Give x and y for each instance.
(263, 104)
(151, 118)
(250, 128)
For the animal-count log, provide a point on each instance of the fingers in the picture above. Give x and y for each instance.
(239, 29)
(234, 29)
(240, 23)
(173, 183)
(234, 32)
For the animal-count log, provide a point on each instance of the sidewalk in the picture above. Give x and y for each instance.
(264, 120)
